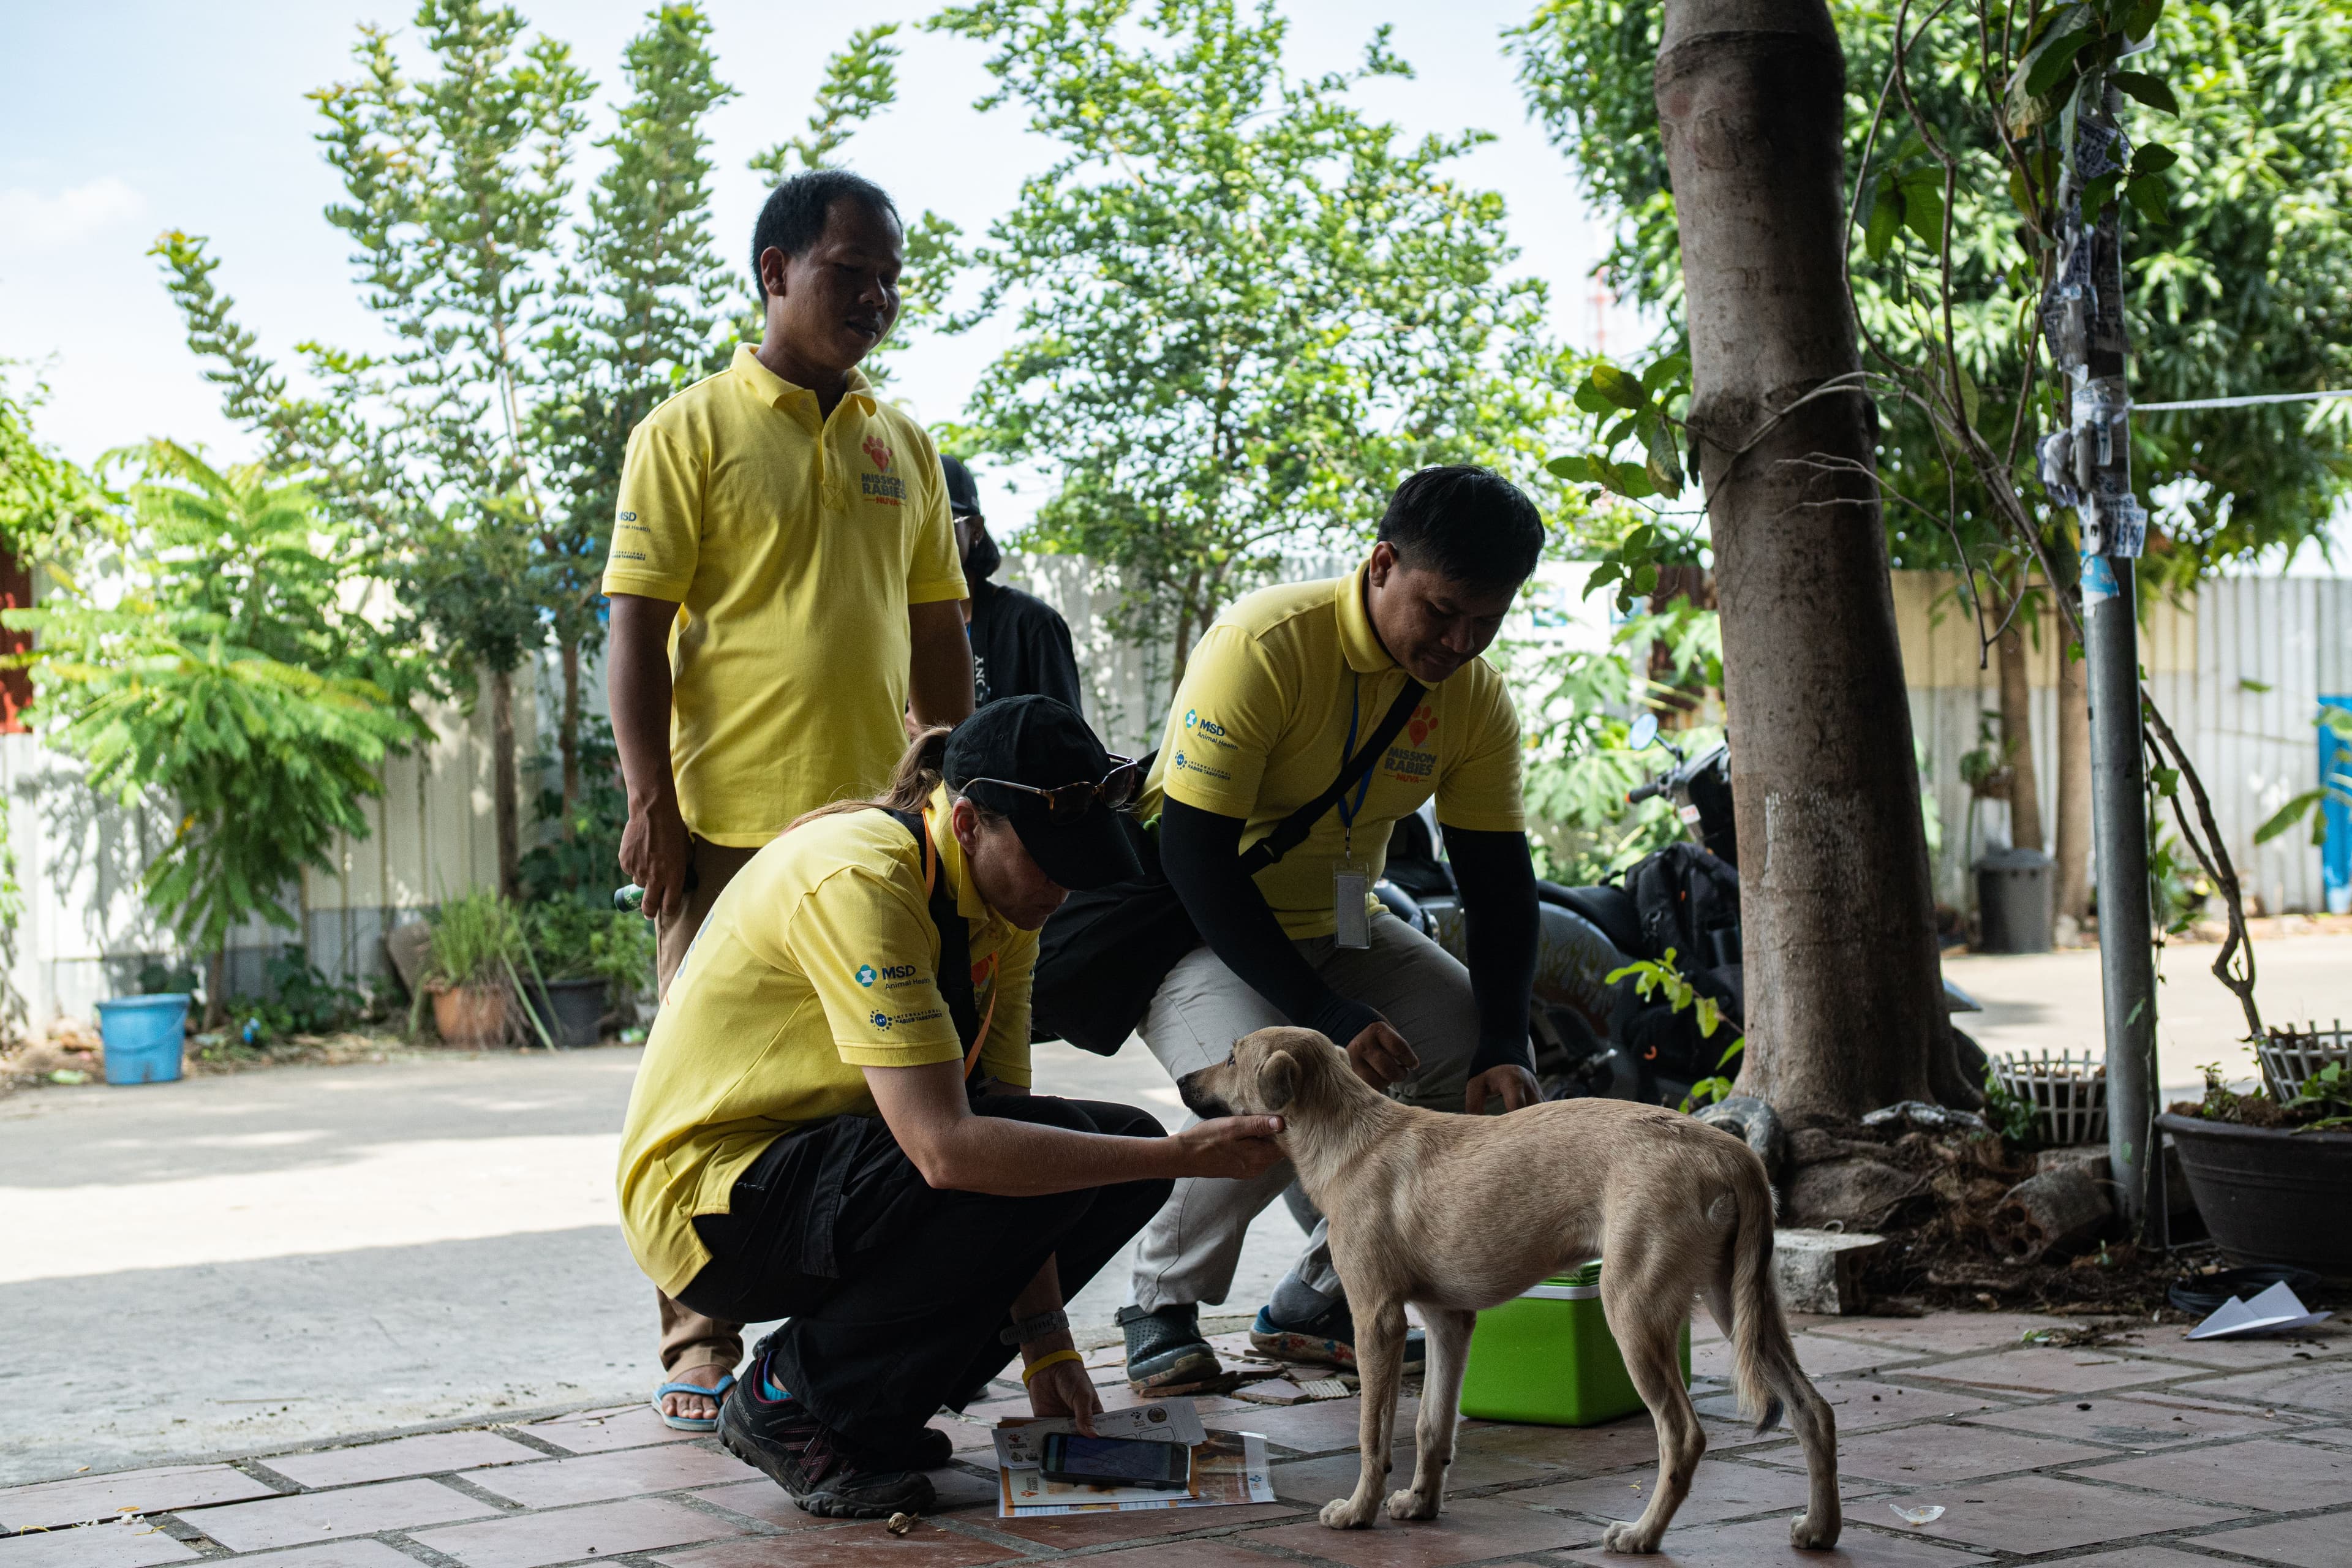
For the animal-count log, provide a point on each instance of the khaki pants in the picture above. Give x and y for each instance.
(689, 1340)
(1188, 1254)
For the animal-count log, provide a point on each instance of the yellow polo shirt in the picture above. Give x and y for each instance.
(818, 961)
(1260, 727)
(793, 546)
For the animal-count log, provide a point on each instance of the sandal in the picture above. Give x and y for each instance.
(692, 1423)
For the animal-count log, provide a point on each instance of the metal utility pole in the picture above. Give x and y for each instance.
(2087, 466)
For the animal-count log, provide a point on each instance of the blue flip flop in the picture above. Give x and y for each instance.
(692, 1423)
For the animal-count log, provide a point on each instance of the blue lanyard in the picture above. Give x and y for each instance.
(1364, 786)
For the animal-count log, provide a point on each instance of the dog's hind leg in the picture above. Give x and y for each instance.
(1650, 1334)
(1440, 1398)
(1379, 1363)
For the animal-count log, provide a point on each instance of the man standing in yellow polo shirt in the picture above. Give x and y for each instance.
(1287, 684)
(783, 583)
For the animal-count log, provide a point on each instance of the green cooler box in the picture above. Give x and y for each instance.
(1547, 1357)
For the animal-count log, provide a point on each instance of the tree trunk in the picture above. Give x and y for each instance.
(216, 987)
(2073, 850)
(1844, 1011)
(2017, 735)
(503, 788)
(568, 740)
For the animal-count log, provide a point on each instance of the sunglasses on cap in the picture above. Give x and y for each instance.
(1067, 803)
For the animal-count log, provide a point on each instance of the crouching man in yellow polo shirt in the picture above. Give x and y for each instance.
(833, 1121)
(1285, 686)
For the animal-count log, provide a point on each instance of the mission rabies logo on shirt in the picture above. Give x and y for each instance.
(1406, 763)
(882, 487)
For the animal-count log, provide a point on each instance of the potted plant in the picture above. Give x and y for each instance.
(570, 987)
(2271, 1173)
(471, 975)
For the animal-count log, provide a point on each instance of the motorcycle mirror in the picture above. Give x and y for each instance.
(1643, 734)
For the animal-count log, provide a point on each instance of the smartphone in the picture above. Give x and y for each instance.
(1118, 1461)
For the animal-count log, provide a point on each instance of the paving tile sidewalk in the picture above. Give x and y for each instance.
(2141, 1452)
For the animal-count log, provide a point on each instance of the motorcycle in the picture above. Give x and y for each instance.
(1599, 1037)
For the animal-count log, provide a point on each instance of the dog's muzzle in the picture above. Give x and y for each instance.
(1197, 1097)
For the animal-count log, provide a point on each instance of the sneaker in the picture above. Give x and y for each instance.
(929, 1448)
(802, 1455)
(1165, 1351)
(1326, 1340)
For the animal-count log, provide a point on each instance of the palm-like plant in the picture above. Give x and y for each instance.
(234, 678)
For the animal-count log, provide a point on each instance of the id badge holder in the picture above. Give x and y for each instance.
(1351, 887)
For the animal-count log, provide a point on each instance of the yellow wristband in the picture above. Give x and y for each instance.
(1043, 1362)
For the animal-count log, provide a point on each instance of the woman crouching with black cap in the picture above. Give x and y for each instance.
(832, 1121)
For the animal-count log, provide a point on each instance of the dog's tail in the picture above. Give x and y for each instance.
(1762, 1357)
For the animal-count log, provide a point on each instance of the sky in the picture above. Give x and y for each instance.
(122, 121)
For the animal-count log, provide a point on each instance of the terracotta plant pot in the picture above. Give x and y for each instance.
(472, 1017)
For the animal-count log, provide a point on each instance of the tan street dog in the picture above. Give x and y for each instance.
(1457, 1212)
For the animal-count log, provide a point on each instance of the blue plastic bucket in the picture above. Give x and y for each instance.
(142, 1036)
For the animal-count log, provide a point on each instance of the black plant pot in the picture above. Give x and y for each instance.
(571, 1010)
(2270, 1195)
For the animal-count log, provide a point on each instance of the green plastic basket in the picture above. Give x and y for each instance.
(1546, 1358)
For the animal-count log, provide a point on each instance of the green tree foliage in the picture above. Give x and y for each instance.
(642, 313)
(1579, 763)
(456, 184)
(47, 506)
(341, 438)
(1245, 311)
(46, 503)
(2240, 249)
(229, 682)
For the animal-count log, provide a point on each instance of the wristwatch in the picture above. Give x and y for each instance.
(1026, 1331)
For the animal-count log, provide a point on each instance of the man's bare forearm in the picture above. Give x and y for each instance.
(939, 673)
(637, 685)
(1023, 1158)
(1042, 1294)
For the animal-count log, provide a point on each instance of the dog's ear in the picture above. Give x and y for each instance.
(1277, 1081)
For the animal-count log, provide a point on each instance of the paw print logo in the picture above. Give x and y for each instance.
(868, 974)
(1421, 723)
(880, 1020)
(878, 452)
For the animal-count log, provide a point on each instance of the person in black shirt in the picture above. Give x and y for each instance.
(1020, 644)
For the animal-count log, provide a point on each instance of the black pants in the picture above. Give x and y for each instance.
(896, 1290)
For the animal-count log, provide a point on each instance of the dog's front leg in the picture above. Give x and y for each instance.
(1379, 1363)
(1440, 1398)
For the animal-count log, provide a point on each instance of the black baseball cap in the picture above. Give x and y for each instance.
(964, 496)
(1045, 744)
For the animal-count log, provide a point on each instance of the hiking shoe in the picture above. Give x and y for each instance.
(1165, 1351)
(928, 1448)
(802, 1455)
(1329, 1339)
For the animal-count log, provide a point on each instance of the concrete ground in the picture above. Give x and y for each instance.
(242, 1265)
(224, 1264)
(2050, 1001)
(1962, 1444)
